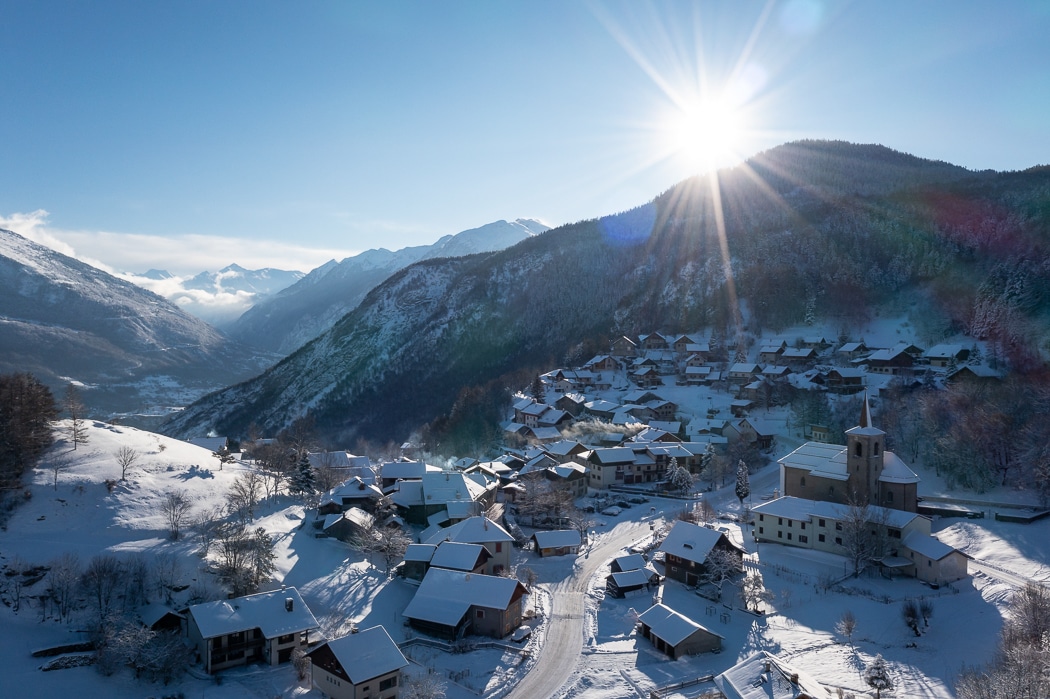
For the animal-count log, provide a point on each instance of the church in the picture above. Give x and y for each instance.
(861, 471)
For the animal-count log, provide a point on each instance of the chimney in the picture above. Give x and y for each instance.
(289, 604)
(794, 678)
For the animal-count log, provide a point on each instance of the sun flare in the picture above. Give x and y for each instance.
(705, 133)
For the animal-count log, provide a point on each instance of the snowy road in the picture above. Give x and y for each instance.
(560, 652)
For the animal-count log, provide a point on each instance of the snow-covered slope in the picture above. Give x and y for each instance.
(64, 320)
(301, 312)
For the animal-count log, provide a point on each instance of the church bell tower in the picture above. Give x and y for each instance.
(865, 444)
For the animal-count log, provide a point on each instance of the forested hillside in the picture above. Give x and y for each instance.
(821, 232)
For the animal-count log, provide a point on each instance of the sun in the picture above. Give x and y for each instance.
(705, 133)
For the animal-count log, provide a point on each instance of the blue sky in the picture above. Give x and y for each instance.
(188, 135)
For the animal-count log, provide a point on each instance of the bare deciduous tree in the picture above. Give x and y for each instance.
(244, 495)
(62, 580)
(847, 625)
(176, 508)
(75, 408)
(126, 457)
(102, 580)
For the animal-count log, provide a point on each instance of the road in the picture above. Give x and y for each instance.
(563, 639)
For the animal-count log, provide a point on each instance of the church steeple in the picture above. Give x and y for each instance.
(864, 457)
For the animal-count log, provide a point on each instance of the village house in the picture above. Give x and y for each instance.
(348, 526)
(360, 665)
(602, 362)
(404, 470)
(630, 575)
(818, 343)
(687, 547)
(606, 467)
(845, 381)
(264, 627)
(765, 676)
(770, 354)
(860, 471)
(798, 358)
(895, 360)
(944, 354)
(851, 350)
(647, 377)
(441, 496)
(698, 375)
(559, 542)
(653, 341)
(450, 555)
(623, 347)
(743, 373)
(451, 604)
(352, 493)
(476, 530)
(572, 403)
(676, 634)
(974, 375)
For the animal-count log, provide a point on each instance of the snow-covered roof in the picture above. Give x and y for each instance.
(366, 654)
(929, 546)
(613, 455)
(894, 470)
(356, 516)
(546, 433)
(420, 553)
(689, 541)
(633, 561)
(212, 444)
(408, 494)
(458, 556)
(669, 426)
(800, 509)
(474, 530)
(445, 596)
(449, 486)
(267, 611)
(557, 538)
(824, 460)
(743, 368)
(669, 625)
(764, 676)
(637, 577)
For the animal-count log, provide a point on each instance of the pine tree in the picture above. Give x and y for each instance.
(302, 481)
(536, 389)
(743, 482)
(877, 676)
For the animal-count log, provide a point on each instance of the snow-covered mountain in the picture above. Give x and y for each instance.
(64, 320)
(234, 278)
(301, 312)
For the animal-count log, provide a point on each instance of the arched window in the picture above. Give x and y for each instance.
(876, 452)
(859, 450)
(802, 481)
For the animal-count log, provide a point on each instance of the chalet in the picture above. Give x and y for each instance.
(861, 470)
(974, 375)
(660, 409)
(451, 604)
(570, 477)
(647, 377)
(681, 345)
(765, 676)
(606, 467)
(799, 358)
(775, 373)
(602, 409)
(845, 381)
(755, 391)
(264, 627)
(603, 362)
(741, 406)
(641, 397)
(564, 450)
(818, 343)
(932, 561)
(660, 432)
(543, 435)
(351, 525)
(707, 425)
(454, 555)
(559, 542)
(770, 354)
(944, 355)
(743, 372)
(890, 361)
(755, 431)
(416, 561)
(676, 634)
(698, 375)
(624, 347)
(476, 530)
(851, 351)
(696, 360)
(572, 403)
(393, 471)
(212, 444)
(441, 491)
(363, 664)
(352, 493)
(529, 415)
(653, 341)
(687, 547)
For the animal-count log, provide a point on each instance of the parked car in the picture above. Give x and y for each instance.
(612, 511)
(638, 499)
(521, 634)
(623, 504)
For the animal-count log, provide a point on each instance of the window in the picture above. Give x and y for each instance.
(790, 523)
(802, 525)
(820, 538)
(388, 683)
(789, 536)
(889, 496)
(287, 638)
(859, 451)
(803, 539)
(838, 540)
(895, 533)
(802, 481)
(480, 614)
(761, 518)
(780, 521)
(780, 535)
(761, 530)
(822, 523)
(876, 450)
(499, 547)
(838, 526)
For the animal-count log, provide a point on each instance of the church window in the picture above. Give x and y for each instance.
(859, 450)
(889, 496)
(876, 452)
(802, 481)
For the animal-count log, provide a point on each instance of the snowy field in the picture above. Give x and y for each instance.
(82, 516)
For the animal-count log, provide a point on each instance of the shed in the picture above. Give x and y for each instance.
(675, 634)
